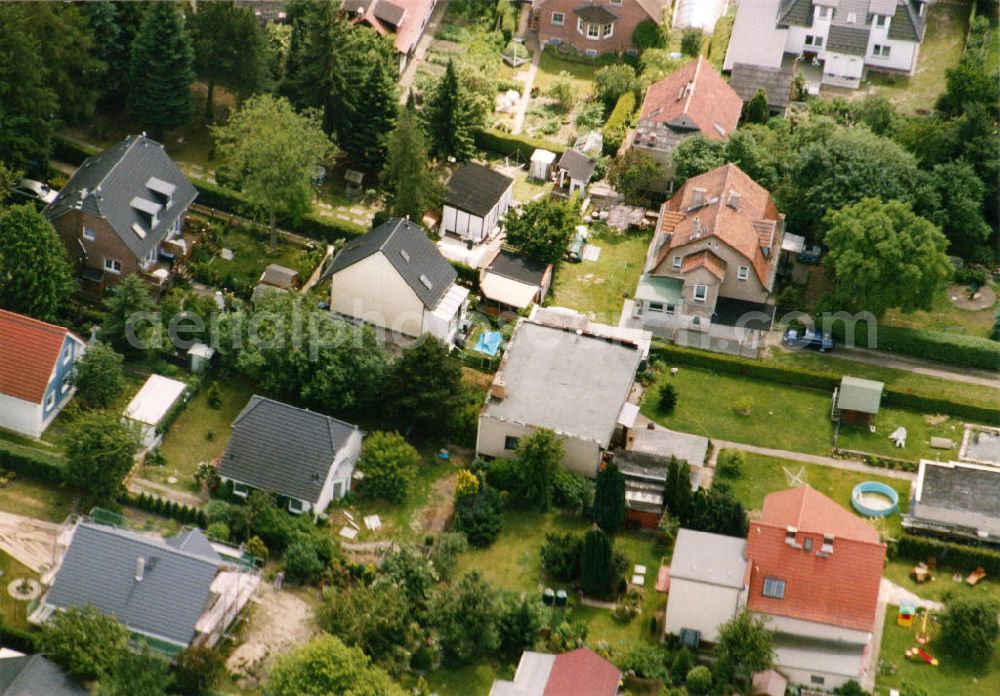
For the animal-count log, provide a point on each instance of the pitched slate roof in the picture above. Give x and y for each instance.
(99, 569)
(595, 14)
(743, 227)
(795, 12)
(107, 184)
(524, 269)
(694, 97)
(907, 24)
(582, 672)
(33, 675)
(410, 252)
(577, 165)
(29, 351)
(476, 189)
(284, 449)
(851, 41)
(839, 588)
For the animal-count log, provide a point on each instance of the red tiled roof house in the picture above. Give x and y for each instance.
(713, 259)
(692, 100)
(593, 27)
(813, 569)
(580, 672)
(36, 360)
(403, 20)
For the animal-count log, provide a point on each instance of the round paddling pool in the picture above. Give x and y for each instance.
(875, 499)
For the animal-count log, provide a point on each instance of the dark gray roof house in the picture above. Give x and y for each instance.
(476, 189)
(33, 675)
(158, 588)
(290, 451)
(577, 165)
(957, 500)
(410, 252)
(134, 186)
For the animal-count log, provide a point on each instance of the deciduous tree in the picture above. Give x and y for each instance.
(35, 272)
(140, 672)
(969, 629)
(98, 376)
(326, 666)
(745, 646)
(883, 256)
(196, 670)
(161, 70)
(129, 300)
(84, 642)
(389, 464)
(423, 387)
(538, 456)
(273, 152)
(542, 229)
(100, 450)
(633, 175)
(612, 81)
(467, 618)
(960, 216)
(696, 155)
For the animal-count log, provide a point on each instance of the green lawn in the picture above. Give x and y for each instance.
(188, 442)
(949, 677)
(898, 570)
(471, 680)
(599, 288)
(527, 190)
(13, 612)
(252, 254)
(784, 417)
(947, 24)
(23, 496)
(763, 475)
(899, 380)
(551, 68)
(402, 521)
(25, 446)
(513, 562)
(945, 316)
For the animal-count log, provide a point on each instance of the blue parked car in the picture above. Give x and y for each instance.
(810, 254)
(808, 338)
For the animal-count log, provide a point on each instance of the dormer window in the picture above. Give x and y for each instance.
(426, 282)
(163, 191)
(852, 17)
(147, 209)
(827, 546)
(403, 253)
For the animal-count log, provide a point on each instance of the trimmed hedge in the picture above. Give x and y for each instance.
(31, 467)
(17, 639)
(166, 508)
(618, 122)
(69, 152)
(951, 349)
(798, 377)
(467, 274)
(502, 143)
(960, 556)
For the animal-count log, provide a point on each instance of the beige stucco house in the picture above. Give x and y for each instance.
(394, 278)
(711, 265)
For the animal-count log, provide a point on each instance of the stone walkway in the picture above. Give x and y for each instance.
(820, 460)
(528, 77)
(891, 593)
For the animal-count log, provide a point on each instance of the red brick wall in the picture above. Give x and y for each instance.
(646, 520)
(106, 243)
(629, 14)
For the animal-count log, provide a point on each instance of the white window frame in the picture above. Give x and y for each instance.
(609, 30)
(561, 21)
(881, 50)
(616, 3)
(241, 489)
(596, 29)
(703, 292)
(580, 29)
(113, 266)
(669, 309)
(824, 12)
(881, 20)
(67, 355)
(678, 261)
(655, 307)
(50, 400)
(743, 273)
(295, 506)
(89, 234)
(852, 17)
(814, 40)
(65, 386)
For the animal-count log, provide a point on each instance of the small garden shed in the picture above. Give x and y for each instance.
(151, 405)
(857, 401)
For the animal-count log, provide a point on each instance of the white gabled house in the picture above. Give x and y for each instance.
(394, 278)
(36, 363)
(305, 457)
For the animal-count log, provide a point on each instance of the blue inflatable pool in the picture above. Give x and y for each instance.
(875, 499)
(488, 343)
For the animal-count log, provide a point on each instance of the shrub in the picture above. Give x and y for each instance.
(691, 42)
(479, 516)
(744, 406)
(389, 464)
(214, 396)
(561, 556)
(521, 145)
(682, 663)
(919, 548)
(618, 122)
(256, 547)
(302, 563)
(699, 680)
(730, 463)
(32, 466)
(572, 491)
(668, 398)
(969, 628)
(156, 457)
(649, 34)
(196, 670)
(218, 530)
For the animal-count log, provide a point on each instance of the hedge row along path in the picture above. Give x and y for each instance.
(847, 464)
